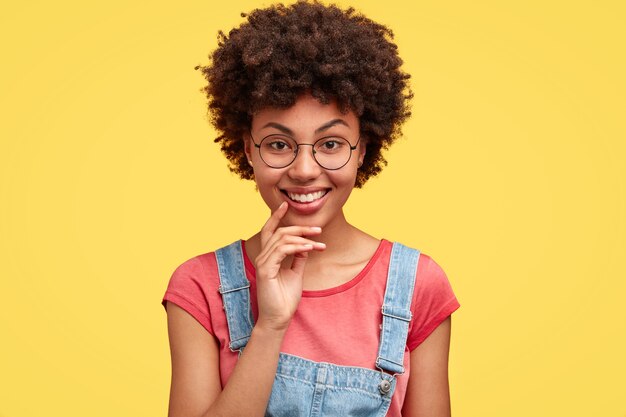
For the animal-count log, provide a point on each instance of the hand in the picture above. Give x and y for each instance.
(279, 288)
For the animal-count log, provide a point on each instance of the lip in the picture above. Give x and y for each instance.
(305, 208)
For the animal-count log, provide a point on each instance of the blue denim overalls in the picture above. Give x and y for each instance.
(306, 388)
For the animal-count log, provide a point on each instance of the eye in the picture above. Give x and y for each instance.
(276, 145)
(330, 145)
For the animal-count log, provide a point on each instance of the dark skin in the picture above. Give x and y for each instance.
(301, 246)
(322, 49)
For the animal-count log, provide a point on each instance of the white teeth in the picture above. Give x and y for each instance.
(307, 198)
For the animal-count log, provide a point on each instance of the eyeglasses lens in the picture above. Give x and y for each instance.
(280, 151)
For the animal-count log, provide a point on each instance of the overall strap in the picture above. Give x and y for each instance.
(396, 308)
(235, 290)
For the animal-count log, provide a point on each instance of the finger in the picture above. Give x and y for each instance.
(272, 223)
(296, 240)
(274, 244)
(298, 262)
(277, 256)
(298, 230)
(296, 236)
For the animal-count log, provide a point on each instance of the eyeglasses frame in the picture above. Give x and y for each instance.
(352, 148)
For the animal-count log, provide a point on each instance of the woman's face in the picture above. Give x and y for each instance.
(315, 195)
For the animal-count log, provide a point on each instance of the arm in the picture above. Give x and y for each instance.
(196, 386)
(428, 393)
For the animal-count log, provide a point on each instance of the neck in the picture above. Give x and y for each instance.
(337, 235)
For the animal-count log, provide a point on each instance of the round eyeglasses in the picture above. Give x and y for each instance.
(279, 151)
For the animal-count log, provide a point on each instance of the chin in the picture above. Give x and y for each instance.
(293, 219)
(323, 220)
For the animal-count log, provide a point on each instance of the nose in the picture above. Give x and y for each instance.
(304, 167)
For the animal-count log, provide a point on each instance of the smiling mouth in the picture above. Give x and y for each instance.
(305, 198)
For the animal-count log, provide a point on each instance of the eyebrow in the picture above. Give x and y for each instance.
(330, 124)
(320, 129)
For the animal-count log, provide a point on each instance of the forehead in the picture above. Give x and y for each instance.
(306, 115)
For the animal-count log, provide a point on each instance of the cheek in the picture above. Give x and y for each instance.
(266, 184)
(345, 182)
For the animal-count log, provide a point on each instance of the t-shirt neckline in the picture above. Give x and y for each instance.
(327, 291)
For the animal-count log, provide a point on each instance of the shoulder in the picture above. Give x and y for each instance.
(430, 275)
(428, 271)
(433, 300)
(192, 286)
(196, 272)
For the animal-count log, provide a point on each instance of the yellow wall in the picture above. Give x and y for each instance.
(511, 175)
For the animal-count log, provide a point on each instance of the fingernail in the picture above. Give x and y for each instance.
(320, 244)
(316, 229)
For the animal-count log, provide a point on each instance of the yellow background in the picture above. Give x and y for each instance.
(511, 175)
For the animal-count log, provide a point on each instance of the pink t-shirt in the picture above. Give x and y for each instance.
(338, 325)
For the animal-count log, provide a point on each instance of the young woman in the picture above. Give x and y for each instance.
(310, 316)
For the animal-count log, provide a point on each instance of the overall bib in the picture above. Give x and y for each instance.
(306, 388)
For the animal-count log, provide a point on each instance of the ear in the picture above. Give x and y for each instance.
(362, 148)
(247, 147)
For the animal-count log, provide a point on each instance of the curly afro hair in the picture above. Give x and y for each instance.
(282, 52)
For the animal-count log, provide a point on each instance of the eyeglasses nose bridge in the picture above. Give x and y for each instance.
(297, 150)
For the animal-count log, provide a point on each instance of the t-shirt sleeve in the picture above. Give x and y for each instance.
(187, 289)
(433, 301)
